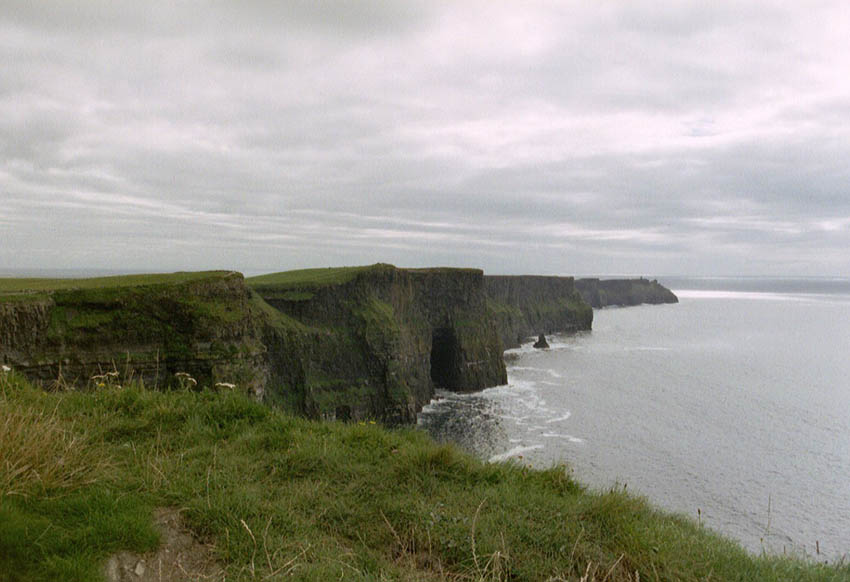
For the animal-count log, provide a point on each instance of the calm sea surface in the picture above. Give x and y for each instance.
(734, 402)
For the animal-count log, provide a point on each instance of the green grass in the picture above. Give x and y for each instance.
(311, 278)
(38, 288)
(317, 278)
(327, 501)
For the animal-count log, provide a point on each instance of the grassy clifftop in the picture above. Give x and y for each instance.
(308, 279)
(208, 324)
(22, 285)
(276, 497)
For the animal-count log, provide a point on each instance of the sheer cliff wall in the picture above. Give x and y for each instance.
(528, 305)
(382, 339)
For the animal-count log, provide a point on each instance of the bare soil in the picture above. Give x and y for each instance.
(179, 558)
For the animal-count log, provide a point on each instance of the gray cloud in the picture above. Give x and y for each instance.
(555, 137)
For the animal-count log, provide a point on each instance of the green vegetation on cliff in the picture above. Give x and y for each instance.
(351, 342)
(14, 286)
(273, 496)
(381, 338)
(306, 279)
(208, 324)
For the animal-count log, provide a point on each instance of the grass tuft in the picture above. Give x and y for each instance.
(40, 454)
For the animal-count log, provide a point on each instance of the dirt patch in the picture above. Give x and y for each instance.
(180, 557)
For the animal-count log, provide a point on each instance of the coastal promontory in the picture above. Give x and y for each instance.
(624, 292)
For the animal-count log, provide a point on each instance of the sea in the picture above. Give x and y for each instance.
(731, 407)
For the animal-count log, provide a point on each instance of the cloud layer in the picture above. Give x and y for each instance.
(550, 137)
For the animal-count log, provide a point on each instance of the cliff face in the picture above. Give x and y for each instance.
(602, 293)
(352, 343)
(381, 339)
(210, 326)
(527, 305)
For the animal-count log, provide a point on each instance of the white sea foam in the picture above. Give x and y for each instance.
(749, 295)
(560, 418)
(549, 371)
(514, 452)
(557, 435)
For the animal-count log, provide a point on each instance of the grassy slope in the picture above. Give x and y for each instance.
(309, 277)
(19, 285)
(22, 289)
(80, 474)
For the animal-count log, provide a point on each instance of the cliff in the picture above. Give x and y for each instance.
(528, 305)
(149, 327)
(381, 339)
(602, 293)
(347, 343)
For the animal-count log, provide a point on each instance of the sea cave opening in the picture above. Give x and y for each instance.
(444, 358)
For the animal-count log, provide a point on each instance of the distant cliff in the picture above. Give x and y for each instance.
(528, 305)
(604, 292)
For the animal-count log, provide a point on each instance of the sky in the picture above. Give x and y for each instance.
(595, 137)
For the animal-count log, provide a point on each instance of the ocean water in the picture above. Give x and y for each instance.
(734, 403)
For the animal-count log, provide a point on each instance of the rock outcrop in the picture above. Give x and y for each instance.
(541, 343)
(528, 305)
(624, 292)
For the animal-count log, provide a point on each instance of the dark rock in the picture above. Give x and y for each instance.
(381, 339)
(525, 305)
(541, 342)
(624, 292)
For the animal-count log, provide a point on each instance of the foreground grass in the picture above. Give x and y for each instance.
(281, 497)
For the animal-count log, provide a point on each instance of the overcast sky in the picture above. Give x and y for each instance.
(630, 137)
